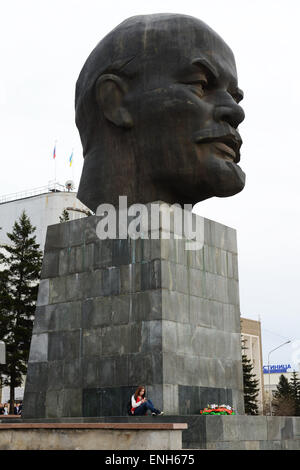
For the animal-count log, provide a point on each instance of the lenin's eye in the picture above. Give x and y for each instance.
(198, 83)
(199, 87)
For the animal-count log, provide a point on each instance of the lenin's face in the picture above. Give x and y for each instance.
(185, 112)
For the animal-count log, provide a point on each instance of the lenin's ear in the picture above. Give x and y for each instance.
(110, 92)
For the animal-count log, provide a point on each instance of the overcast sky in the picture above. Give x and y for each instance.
(43, 45)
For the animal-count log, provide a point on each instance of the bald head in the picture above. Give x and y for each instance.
(157, 110)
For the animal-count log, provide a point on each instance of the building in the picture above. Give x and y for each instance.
(43, 206)
(271, 379)
(251, 334)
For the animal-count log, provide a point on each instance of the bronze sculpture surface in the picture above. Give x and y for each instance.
(157, 111)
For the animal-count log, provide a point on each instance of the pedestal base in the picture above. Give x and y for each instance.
(115, 314)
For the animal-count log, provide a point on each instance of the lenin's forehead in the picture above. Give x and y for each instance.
(155, 44)
(176, 39)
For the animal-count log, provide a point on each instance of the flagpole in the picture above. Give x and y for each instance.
(55, 165)
(73, 165)
(71, 158)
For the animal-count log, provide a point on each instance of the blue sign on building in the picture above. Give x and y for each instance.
(276, 369)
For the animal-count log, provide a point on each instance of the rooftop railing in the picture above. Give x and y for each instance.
(52, 187)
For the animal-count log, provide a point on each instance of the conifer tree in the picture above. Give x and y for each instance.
(64, 216)
(284, 403)
(283, 387)
(295, 392)
(21, 265)
(251, 389)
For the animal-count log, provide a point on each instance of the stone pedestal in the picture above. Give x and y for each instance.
(115, 314)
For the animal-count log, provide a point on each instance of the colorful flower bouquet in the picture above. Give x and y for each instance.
(217, 410)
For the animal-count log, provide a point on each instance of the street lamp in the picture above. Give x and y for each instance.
(270, 393)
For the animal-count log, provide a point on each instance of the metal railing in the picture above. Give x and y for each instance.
(52, 186)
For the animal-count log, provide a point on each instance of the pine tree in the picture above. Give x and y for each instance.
(21, 261)
(64, 216)
(295, 392)
(284, 403)
(283, 387)
(251, 389)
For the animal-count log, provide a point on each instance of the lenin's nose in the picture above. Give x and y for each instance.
(230, 112)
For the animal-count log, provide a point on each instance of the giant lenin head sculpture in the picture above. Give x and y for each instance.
(157, 108)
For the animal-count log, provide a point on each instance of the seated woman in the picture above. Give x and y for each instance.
(141, 404)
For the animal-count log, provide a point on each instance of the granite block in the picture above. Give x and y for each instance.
(146, 306)
(214, 429)
(96, 312)
(235, 267)
(57, 236)
(141, 369)
(64, 316)
(102, 253)
(39, 348)
(122, 370)
(195, 258)
(106, 371)
(67, 403)
(229, 264)
(54, 404)
(34, 404)
(57, 290)
(210, 258)
(75, 284)
(111, 340)
(151, 336)
(132, 338)
(121, 252)
(296, 427)
(221, 262)
(92, 342)
(121, 309)
(76, 231)
(197, 283)
(41, 320)
(111, 284)
(64, 345)
(92, 284)
(55, 375)
(175, 306)
(50, 264)
(172, 366)
(168, 275)
(72, 402)
(37, 377)
(182, 278)
(170, 399)
(91, 405)
(63, 263)
(169, 336)
(90, 372)
(287, 429)
(233, 291)
(245, 428)
(89, 228)
(199, 311)
(43, 294)
(186, 339)
(269, 445)
(127, 284)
